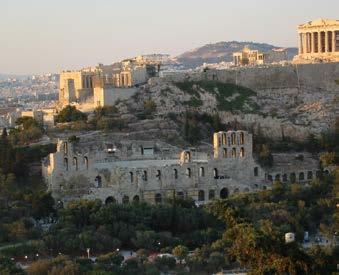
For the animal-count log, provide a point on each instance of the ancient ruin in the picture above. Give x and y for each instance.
(318, 41)
(148, 171)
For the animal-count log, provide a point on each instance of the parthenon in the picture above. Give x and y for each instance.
(318, 41)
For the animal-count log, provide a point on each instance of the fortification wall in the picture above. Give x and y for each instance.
(320, 76)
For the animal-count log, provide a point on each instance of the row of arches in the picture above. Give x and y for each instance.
(158, 197)
(233, 139)
(158, 174)
(125, 199)
(75, 163)
(293, 177)
(233, 153)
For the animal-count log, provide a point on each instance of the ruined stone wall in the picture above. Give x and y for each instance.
(109, 96)
(71, 174)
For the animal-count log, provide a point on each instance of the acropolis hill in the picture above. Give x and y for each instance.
(279, 98)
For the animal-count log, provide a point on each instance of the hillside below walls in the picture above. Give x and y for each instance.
(278, 101)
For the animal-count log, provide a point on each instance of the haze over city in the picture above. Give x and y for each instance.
(48, 36)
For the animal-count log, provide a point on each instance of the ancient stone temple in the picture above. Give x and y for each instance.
(318, 41)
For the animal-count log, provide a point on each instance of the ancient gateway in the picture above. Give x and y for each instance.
(146, 171)
(319, 41)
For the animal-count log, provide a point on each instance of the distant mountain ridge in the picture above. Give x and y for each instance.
(222, 51)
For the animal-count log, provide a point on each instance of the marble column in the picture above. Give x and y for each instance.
(319, 42)
(333, 41)
(326, 42)
(300, 44)
(305, 42)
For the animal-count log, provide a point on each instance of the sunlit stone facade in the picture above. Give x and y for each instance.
(318, 41)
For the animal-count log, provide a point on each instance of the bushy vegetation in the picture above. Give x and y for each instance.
(21, 198)
(148, 110)
(28, 130)
(107, 118)
(105, 227)
(327, 144)
(196, 126)
(69, 114)
(230, 97)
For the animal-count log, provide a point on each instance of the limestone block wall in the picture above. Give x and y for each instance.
(108, 96)
(319, 75)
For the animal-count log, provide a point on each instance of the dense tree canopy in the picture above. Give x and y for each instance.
(69, 114)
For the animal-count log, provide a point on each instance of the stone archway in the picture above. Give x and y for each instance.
(201, 195)
(110, 200)
(136, 199)
(125, 199)
(224, 193)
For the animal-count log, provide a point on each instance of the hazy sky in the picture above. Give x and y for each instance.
(39, 36)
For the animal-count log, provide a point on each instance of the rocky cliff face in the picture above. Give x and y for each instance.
(277, 101)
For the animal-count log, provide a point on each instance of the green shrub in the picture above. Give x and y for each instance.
(69, 114)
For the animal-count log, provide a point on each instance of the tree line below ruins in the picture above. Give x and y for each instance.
(245, 230)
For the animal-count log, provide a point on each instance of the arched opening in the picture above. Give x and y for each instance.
(201, 195)
(233, 139)
(309, 175)
(223, 138)
(110, 200)
(215, 173)
(125, 200)
(86, 162)
(158, 198)
(75, 163)
(131, 177)
(66, 163)
(242, 152)
(256, 171)
(202, 172)
(224, 153)
(144, 175)
(65, 148)
(301, 176)
(98, 181)
(242, 138)
(277, 177)
(264, 187)
(270, 178)
(284, 178)
(185, 157)
(211, 194)
(180, 195)
(175, 172)
(136, 199)
(234, 153)
(292, 177)
(188, 172)
(158, 175)
(224, 193)
(246, 190)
